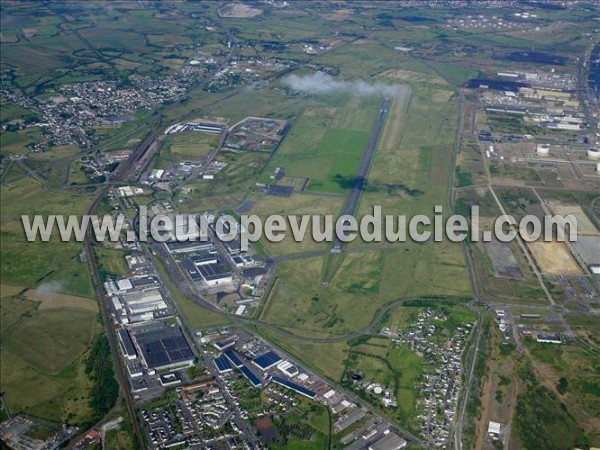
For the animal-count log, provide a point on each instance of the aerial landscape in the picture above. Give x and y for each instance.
(299, 224)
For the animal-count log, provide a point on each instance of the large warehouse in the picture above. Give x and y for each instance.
(164, 348)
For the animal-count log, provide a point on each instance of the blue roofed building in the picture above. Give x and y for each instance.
(266, 361)
(294, 387)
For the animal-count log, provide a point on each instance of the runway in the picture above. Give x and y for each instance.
(361, 175)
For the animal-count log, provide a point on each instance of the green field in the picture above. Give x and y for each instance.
(296, 204)
(326, 143)
(408, 176)
(30, 263)
(52, 387)
(179, 147)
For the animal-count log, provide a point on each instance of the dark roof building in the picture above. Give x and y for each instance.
(252, 378)
(165, 348)
(266, 361)
(127, 344)
(233, 358)
(222, 364)
(294, 387)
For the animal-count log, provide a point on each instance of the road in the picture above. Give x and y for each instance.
(142, 153)
(361, 175)
(458, 425)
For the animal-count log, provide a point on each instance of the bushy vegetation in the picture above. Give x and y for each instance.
(99, 368)
(542, 420)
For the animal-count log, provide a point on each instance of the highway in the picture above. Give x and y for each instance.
(363, 170)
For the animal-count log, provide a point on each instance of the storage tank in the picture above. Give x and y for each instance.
(594, 152)
(543, 149)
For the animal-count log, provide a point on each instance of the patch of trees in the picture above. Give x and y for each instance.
(99, 368)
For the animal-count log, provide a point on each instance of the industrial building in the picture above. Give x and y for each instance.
(164, 347)
(494, 429)
(127, 344)
(266, 361)
(288, 369)
(222, 364)
(391, 441)
(177, 247)
(549, 338)
(250, 376)
(180, 228)
(233, 358)
(294, 387)
(214, 274)
(225, 344)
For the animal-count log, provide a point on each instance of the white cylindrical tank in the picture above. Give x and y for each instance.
(543, 149)
(593, 153)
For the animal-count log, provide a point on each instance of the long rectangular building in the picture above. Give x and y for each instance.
(294, 387)
(127, 344)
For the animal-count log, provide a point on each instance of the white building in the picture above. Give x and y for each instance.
(494, 429)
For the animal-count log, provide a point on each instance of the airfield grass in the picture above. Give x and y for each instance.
(296, 204)
(409, 176)
(326, 143)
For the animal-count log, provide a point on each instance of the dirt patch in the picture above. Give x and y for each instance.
(338, 14)
(504, 261)
(239, 11)
(58, 300)
(584, 224)
(553, 258)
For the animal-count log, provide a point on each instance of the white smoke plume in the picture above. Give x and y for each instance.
(322, 83)
(48, 289)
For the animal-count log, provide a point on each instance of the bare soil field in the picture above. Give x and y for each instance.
(584, 224)
(58, 300)
(553, 258)
(238, 11)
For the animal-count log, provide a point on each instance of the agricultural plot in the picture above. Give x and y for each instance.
(56, 387)
(62, 325)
